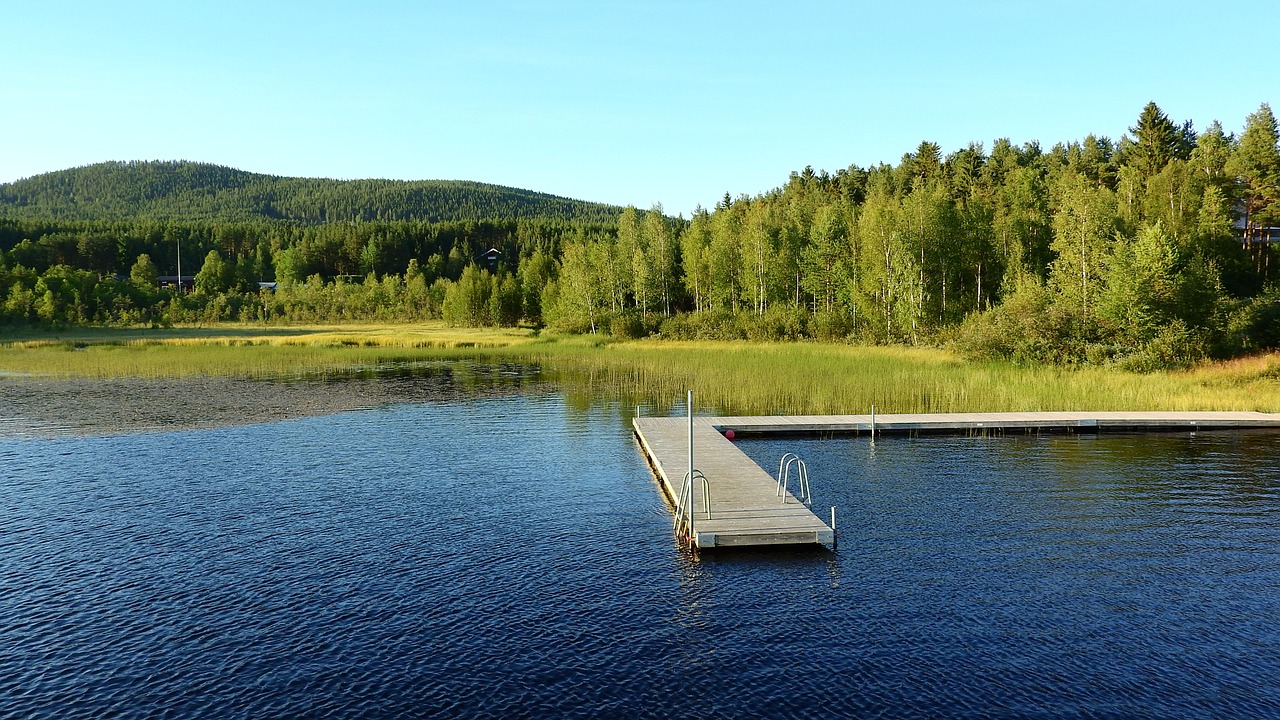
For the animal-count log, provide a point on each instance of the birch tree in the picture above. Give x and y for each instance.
(1083, 226)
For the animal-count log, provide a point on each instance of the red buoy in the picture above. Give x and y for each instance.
(728, 434)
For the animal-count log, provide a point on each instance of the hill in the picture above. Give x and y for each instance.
(190, 191)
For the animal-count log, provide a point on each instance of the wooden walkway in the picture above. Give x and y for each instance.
(745, 508)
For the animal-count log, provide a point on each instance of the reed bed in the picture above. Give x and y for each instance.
(803, 378)
(243, 351)
(728, 377)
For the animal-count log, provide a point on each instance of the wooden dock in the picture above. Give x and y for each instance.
(745, 508)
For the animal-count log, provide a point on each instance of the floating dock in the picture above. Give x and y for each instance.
(745, 508)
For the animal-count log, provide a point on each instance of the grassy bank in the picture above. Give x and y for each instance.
(790, 378)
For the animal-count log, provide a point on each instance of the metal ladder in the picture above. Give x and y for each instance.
(683, 520)
(802, 478)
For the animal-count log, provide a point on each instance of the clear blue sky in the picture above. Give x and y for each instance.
(671, 102)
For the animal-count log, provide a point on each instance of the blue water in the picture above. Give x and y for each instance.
(512, 557)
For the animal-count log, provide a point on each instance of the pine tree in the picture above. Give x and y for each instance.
(1156, 141)
(1256, 166)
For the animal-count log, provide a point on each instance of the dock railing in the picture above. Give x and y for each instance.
(802, 478)
(683, 519)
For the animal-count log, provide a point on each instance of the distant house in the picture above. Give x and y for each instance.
(1252, 234)
(188, 281)
(1259, 235)
(491, 257)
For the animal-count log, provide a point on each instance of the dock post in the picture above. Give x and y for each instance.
(689, 510)
(833, 527)
(873, 423)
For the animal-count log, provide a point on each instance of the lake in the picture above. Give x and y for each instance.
(502, 550)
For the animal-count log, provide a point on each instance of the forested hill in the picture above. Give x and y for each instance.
(189, 191)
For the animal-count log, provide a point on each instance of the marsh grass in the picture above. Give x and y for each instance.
(809, 378)
(729, 377)
(243, 351)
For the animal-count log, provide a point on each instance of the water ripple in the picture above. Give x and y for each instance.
(511, 557)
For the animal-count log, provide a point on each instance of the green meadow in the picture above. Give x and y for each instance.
(728, 377)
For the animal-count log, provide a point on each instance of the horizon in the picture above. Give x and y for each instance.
(675, 105)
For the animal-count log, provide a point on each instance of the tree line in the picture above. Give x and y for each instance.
(85, 272)
(1153, 251)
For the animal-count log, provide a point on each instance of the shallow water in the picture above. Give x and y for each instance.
(511, 556)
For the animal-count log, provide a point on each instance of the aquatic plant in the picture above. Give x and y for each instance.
(730, 377)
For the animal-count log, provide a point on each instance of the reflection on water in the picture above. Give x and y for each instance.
(47, 407)
(483, 548)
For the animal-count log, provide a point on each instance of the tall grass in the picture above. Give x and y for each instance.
(729, 377)
(249, 351)
(805, 378)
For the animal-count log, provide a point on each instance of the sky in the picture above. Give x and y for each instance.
(663, 102)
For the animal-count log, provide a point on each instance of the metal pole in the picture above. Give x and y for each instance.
(873, 423)
(690, 509)
(833, 527)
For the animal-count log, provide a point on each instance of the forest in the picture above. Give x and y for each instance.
(200, 192)
(1152, 251)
